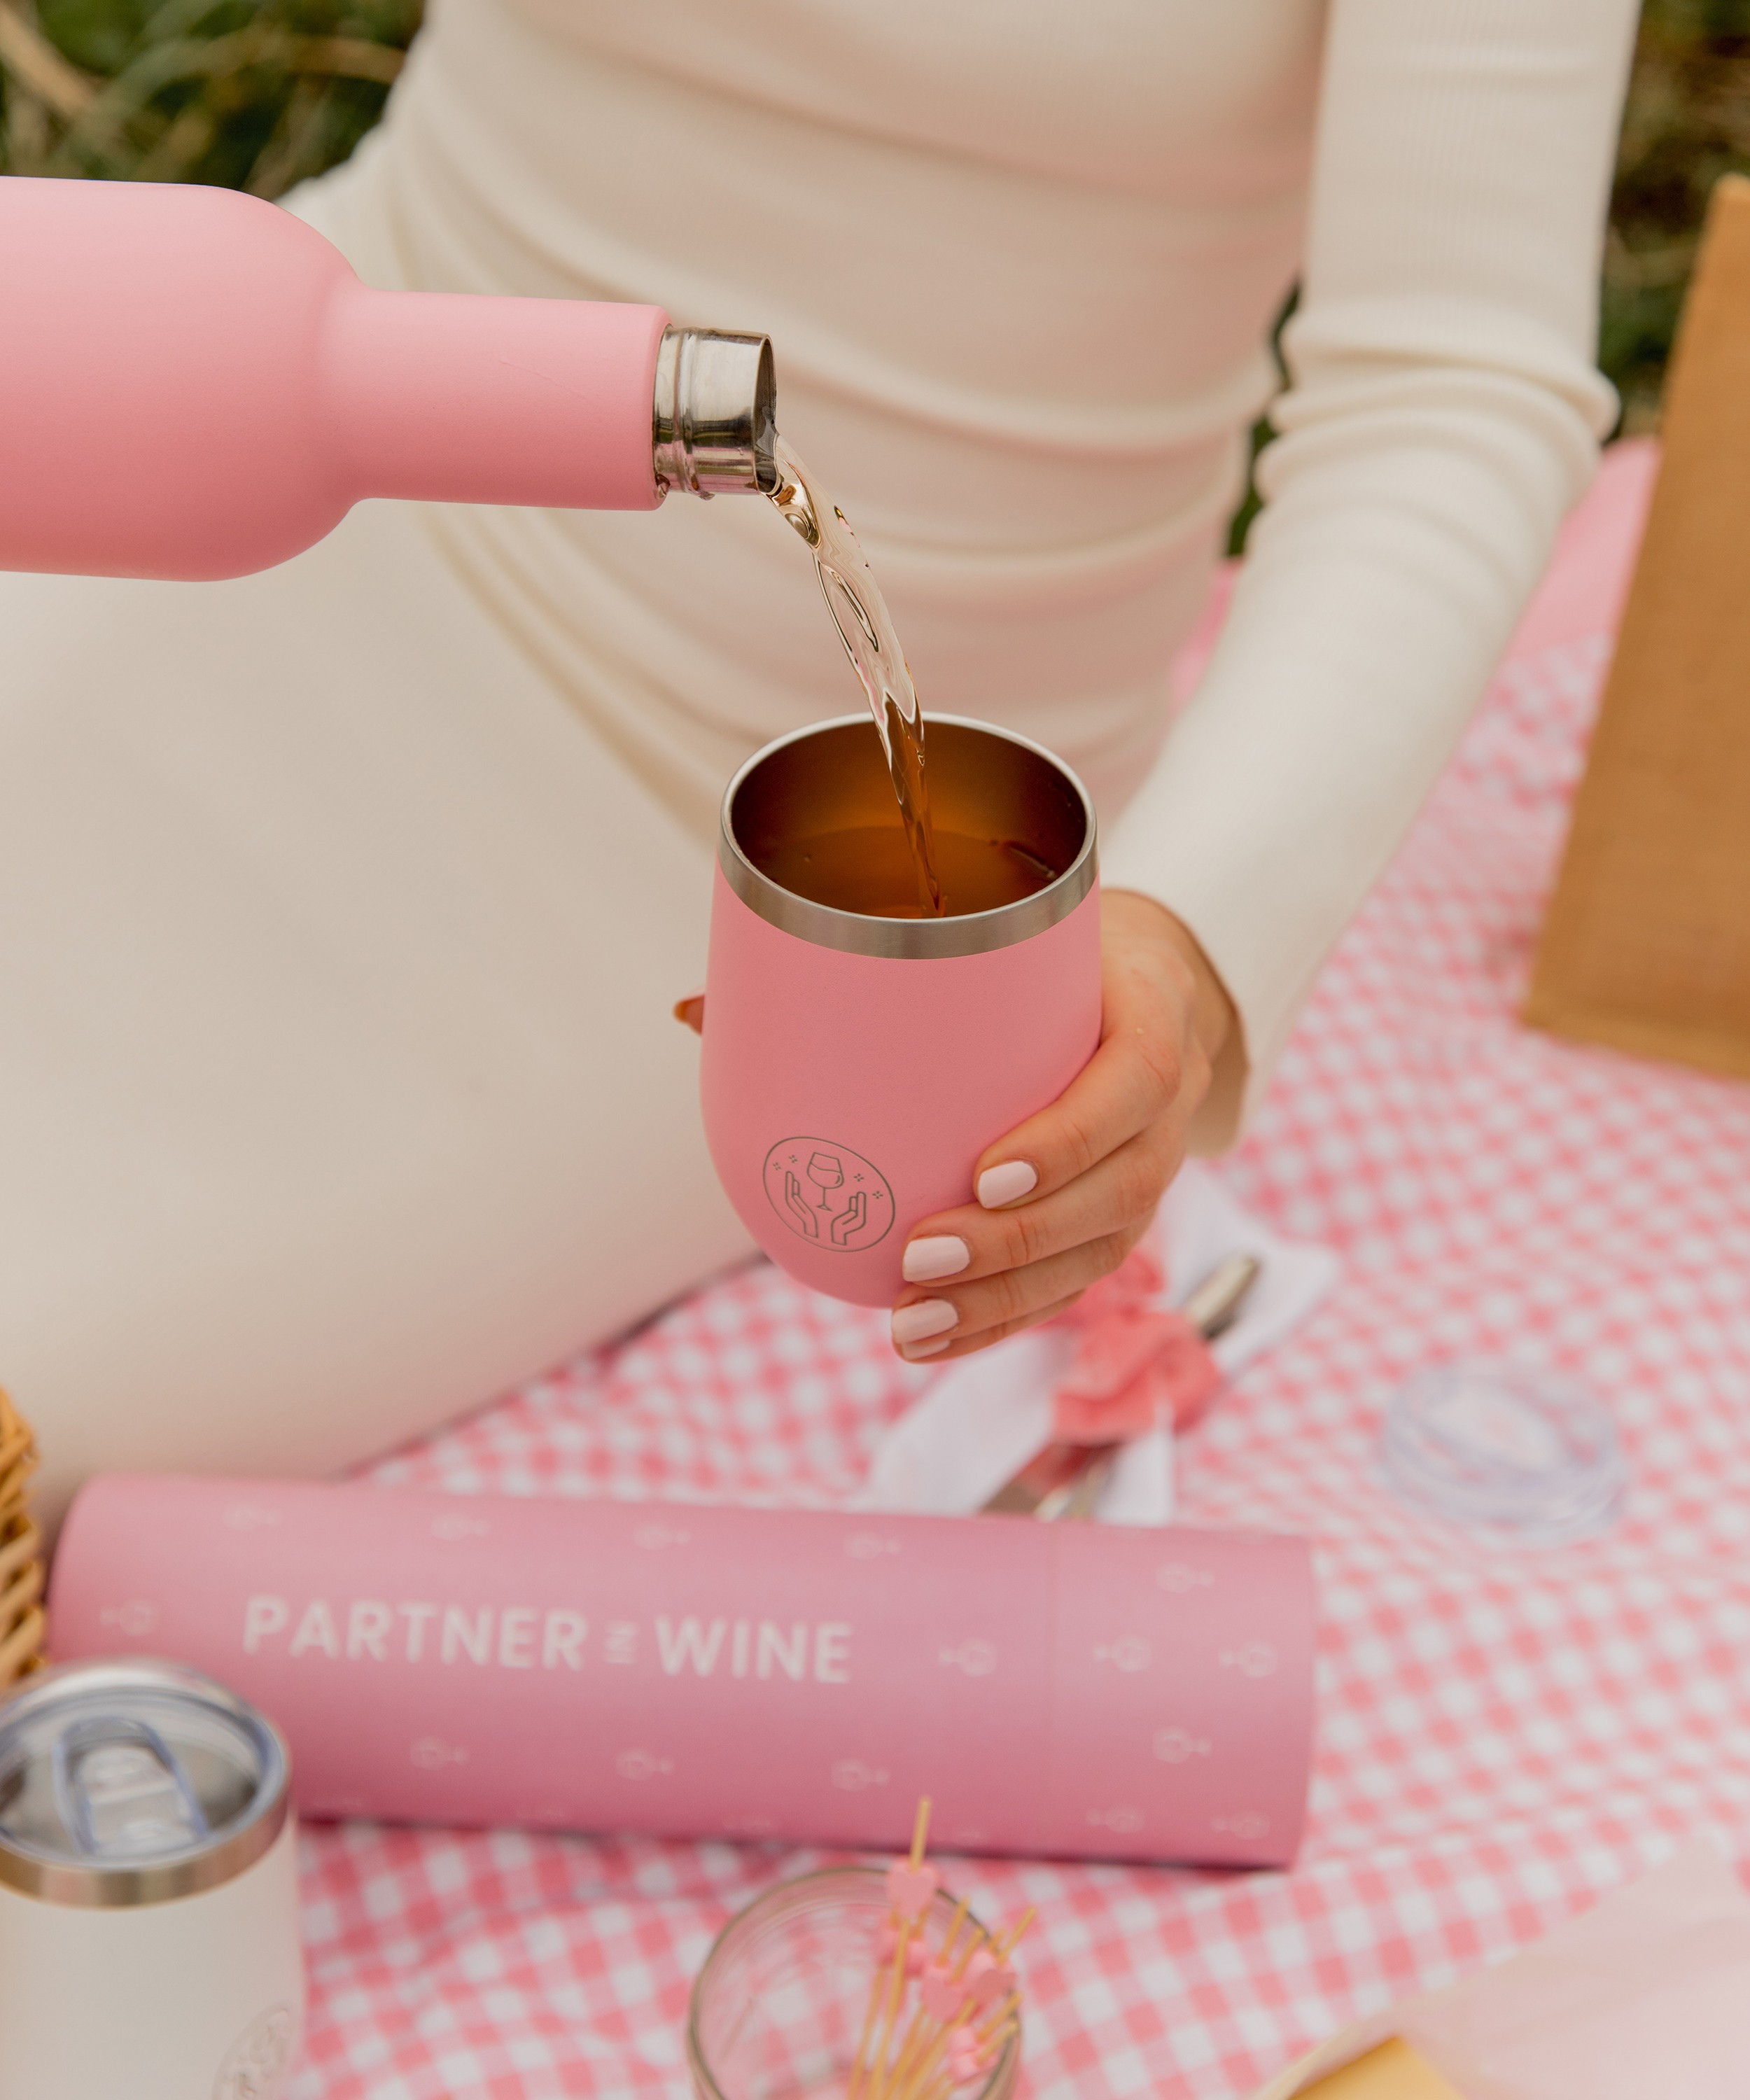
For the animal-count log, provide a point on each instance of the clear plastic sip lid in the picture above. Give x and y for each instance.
(1519, 1455)
(134, 1782)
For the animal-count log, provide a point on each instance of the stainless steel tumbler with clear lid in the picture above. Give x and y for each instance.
(148, 1892)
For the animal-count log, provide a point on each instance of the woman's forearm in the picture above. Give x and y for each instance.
(1444, 412)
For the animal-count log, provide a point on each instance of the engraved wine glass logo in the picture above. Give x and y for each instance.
(828, 1194)
(825, 1170)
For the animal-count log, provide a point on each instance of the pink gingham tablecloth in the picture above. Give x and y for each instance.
(1501, 1739)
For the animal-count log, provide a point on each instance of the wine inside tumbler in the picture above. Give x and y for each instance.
(779, 2006)
(812, 820)
(858, 1054)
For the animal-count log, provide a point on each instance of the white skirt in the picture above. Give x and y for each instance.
(339, 1087)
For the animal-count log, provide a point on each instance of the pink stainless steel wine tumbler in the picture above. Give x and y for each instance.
(855, 1067)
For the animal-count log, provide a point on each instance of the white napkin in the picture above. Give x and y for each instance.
(983, 1417)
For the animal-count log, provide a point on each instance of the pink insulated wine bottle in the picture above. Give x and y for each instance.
(199, 387)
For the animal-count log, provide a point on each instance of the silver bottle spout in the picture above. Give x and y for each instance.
(714, 422)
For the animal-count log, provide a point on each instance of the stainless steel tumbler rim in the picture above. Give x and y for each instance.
(714, 417)
(858, 933)
(231, 1849)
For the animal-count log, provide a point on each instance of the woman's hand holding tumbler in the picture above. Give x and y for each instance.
(1064, 1197)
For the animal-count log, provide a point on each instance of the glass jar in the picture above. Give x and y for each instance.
(779, 2008)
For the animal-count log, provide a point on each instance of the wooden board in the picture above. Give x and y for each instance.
(1646, 943)
(1392, 2071)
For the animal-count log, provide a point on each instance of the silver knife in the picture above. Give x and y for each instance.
(1066, 1480)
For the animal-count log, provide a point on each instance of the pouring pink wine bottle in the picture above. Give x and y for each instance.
(199, 387)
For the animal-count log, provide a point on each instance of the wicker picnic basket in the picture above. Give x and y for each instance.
(21, 1621)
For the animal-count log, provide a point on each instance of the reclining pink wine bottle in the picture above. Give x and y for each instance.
(197, 386)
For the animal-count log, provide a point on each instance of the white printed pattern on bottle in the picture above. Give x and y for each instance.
(852, 1775)
(432, 1753)
(457, 1524)
(1174, 1746)
(250, 1516)
(973, 1658)
(135, 1617)
(1121, 1821)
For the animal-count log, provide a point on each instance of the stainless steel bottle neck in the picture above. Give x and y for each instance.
(714, 424)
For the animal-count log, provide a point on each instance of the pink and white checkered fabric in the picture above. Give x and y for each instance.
(1501, 1738)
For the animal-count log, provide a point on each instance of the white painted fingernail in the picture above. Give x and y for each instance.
(916, 1351)
(942, 1254)
(997, 1185)
(929, 1316)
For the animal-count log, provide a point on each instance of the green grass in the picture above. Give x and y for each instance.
(254, 95)
(1687, 124)
(259, 94)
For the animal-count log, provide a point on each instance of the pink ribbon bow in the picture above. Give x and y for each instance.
(1133, 1362)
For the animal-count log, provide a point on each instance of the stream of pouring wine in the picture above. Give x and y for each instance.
(866, 628)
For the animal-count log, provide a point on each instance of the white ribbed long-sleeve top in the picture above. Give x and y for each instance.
(1019, 262)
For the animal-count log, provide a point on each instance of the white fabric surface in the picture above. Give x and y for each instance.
(983, 1416)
